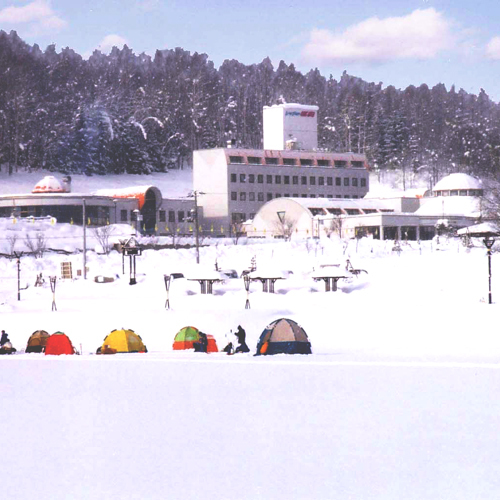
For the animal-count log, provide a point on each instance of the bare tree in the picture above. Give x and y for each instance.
(284, 226)
(102, 235)
(335, 226)
(12, 239)
(37, 246)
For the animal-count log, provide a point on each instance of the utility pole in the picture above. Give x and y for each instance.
(194, 194)
(84, 211)
(197, 233)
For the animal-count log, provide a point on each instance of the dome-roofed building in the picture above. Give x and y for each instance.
(458, 184)
(454, 195)
(49, 184)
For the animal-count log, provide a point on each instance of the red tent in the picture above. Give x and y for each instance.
(59, 343)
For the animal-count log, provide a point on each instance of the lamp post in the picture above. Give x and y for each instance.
(194, 194)
(488, 243)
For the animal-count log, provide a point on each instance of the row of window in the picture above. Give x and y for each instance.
(303, 162)
(304, 180)
(269, 196)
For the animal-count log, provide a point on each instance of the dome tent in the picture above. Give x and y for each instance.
(37, 341)
(188, 335)
(123, 341)
(283, 336)
(59, 343)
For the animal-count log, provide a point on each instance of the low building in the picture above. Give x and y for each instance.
(387, 218)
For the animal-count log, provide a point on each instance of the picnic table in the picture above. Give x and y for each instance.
(206, 279)
(330, 276)
(267, 277)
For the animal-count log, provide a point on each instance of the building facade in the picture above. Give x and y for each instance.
(234, 183)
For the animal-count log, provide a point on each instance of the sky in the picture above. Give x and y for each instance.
(396, 42)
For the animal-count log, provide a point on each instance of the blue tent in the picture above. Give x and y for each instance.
(283, 336)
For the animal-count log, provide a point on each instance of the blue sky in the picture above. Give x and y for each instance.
(395, 42)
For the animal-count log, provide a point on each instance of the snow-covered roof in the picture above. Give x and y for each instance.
(450, 205)
(480, 230)
(49, 184)
(457, 181)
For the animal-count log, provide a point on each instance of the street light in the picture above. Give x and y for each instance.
(488, 232)
(488, 243)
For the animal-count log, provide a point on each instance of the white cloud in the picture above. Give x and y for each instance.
(110, 41)
(493, 48)
(419, 35)
(37, 14)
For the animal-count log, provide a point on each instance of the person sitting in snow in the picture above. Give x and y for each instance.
(4, 339)
(241, 336)
(202, 344)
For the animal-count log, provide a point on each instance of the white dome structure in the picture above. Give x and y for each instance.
(454, 195)
(458, 184)
(49, 184)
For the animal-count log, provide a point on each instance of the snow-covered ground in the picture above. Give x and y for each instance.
(396, 401)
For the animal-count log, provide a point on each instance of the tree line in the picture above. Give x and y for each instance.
(129, 113)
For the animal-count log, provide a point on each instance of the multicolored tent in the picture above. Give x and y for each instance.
(188, 335)
(37, 341)
(283, 336)
(59, 343)
(123, 341)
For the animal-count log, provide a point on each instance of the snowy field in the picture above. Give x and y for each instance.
(398, 399)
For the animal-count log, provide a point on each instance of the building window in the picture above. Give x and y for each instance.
(277, 179)
(254, 160)
(295, 179)
(338, 181)
(237, 218)
(303, 180)
(269, 179)
(357, 164)
(260, 179)
(312, 181)
(243, 177)
(286, 179)
(251, 178)
(243, 196)
(303, 195)
(329, 195)
(346, 196)
(288, 161)
(305, 162)
(271, 161)
(123, 216)
(277, 195)
(363, 182)
(251, 196)
(162, 216)
(234, 195)
(340, 163)
(355, 181)
(323, 163)
(180, 215)
(233, 177)
(251, 216)
(269, 196)
(329, 181)
(260, 196)
(171, 216)
(236, 159)
(346, 181)
(312, 196)
(286, 195)
(321, 181)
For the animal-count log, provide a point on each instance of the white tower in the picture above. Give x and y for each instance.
(290, 126)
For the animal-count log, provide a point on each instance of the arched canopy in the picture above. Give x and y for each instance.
(141, 193)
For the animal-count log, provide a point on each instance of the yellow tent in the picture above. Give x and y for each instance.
(123, 341)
